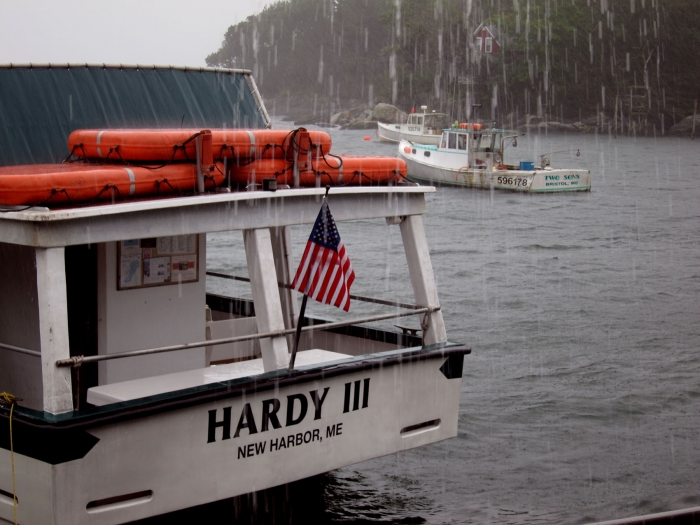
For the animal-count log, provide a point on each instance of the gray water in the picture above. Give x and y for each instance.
(580, 401)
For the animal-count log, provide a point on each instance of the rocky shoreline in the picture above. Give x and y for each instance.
(364, 116)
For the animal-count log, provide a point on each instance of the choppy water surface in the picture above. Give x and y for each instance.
(580, 401)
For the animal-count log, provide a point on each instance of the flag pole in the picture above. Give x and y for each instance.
(300, 321)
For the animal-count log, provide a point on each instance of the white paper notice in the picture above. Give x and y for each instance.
(156, 270)
(177, 244)
(164, 245)
(184, 268)
(130, 271)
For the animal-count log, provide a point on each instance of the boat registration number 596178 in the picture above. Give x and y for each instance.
(512, 181)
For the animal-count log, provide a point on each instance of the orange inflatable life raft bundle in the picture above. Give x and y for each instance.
(332, 170)
(179, 144)
(111, 165)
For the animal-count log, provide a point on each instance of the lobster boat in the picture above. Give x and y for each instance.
(420, 128)
(471, 156)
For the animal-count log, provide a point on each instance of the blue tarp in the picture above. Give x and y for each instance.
(40, 106)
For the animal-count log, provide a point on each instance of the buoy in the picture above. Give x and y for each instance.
(367, 137)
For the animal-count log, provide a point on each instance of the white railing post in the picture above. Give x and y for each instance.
(422, 277)
(53, 329)
(282, 250)
(266, 297)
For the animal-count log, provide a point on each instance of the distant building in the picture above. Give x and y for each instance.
(485, 41)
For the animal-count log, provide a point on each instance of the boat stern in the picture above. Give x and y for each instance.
(234, 437)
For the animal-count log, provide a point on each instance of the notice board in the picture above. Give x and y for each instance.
(157, 261)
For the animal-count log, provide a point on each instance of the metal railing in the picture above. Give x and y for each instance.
(352, 297)
(237, 339)
(20, 350)
(410, 309)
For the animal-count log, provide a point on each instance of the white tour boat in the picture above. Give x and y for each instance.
(129, 391)
(192, 400)
(471, 156)
(421, 128)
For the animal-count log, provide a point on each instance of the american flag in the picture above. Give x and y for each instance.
(325, 273)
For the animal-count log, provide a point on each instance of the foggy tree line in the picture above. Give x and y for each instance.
(558, 59)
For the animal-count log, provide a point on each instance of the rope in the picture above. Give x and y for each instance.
(116, 150)
(166, 181)
(54, 191)
(8, 399)
(72, 152)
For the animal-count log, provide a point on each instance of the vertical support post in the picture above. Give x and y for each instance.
(296, 167)
(282, 251)
(205, 157)
(200, 175)
(422, 278)
(53, 329)
(266, 297)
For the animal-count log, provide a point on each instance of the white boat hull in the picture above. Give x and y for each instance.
(444, 168)
(398, 132)
(189, 456)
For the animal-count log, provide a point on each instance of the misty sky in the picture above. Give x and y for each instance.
(161, 32)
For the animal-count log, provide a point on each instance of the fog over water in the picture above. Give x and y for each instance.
(580, 401)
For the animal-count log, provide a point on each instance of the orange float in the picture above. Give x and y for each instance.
(469, 125)
(61, 184)
(331, 170)
(150, 145)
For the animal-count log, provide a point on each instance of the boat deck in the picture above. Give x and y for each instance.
(151, 386)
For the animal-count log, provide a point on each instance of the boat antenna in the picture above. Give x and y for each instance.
(182, 120)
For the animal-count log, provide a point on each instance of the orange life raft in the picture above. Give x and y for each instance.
(60, 184)
(331, 170)
(179, 144)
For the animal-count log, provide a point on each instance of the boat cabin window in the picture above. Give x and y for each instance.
(462, 141)
(497, 142)
(443, 143)
(436, 121)
(485, 142)
(452, 141)
(419, 121)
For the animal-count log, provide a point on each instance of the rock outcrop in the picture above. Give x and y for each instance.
(684, 128)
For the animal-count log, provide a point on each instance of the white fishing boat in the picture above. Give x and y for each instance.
(421, 128)
(474, 157)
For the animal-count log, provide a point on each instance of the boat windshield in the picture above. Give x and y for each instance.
(437, 121)
(452, 141)
(497, 138)
(462, 141)
(415, 119)
(485, 142)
